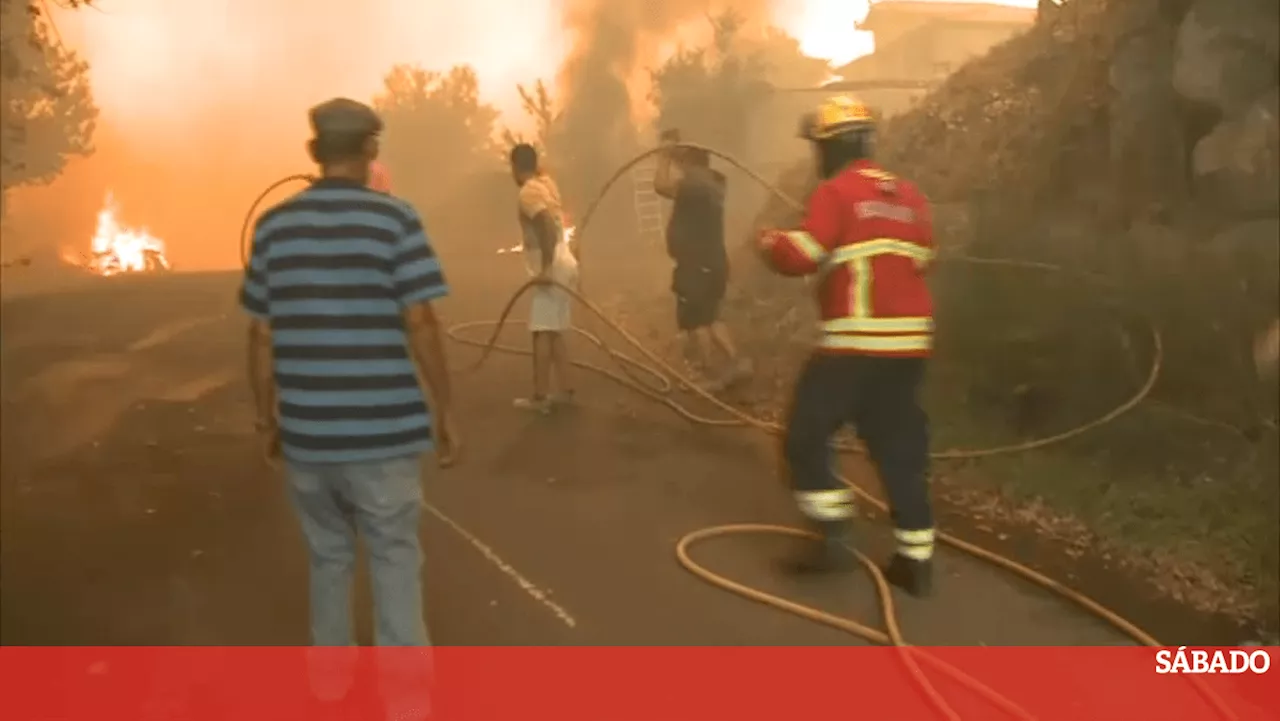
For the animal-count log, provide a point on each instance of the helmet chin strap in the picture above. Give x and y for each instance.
(835, 154)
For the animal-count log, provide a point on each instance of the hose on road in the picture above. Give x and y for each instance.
(656, 379)
(664, 379)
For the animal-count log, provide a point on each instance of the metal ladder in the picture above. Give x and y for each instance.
(651, 216)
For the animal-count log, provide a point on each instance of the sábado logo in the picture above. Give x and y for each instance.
(1200, 660)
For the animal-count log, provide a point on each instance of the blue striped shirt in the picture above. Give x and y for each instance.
(332, 269)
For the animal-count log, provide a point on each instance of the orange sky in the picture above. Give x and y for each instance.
(211, 95)
(158, 62)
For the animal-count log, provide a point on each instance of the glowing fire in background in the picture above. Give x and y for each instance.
(519, 247)
(116, 249)
(827, 29)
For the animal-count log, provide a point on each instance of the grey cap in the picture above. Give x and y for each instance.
(343, 116)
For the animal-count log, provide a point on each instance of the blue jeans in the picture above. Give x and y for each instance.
(382, 501)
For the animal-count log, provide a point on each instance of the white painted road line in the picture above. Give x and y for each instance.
(537, 594)
(165, 333)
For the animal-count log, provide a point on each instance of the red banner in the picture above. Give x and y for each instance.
(639, 684)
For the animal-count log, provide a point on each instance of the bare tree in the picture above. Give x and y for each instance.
(537, 104)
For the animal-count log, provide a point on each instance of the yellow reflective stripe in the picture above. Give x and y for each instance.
(831, 505)
(880, 246)
(858, 256)
(917, 553)
(906, 325)
(915, 538)
(916, 544)
(874, 343)
(805, 243)
(860, 290)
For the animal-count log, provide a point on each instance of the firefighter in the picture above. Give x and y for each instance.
(868, 236)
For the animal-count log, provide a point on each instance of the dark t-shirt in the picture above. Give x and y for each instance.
(695, 233)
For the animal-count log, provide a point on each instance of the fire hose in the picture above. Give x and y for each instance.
(664, 379)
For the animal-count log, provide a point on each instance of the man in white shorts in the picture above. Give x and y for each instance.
(548, 258)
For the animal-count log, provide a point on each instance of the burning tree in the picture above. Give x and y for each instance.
(46, 106)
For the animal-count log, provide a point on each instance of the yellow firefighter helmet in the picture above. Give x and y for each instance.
(834, 117)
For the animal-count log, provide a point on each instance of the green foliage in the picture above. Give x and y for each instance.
(46, 105)
(438, 132)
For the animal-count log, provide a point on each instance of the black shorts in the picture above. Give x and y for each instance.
(699, 291)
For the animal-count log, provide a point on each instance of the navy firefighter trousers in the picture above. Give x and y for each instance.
(879, 397)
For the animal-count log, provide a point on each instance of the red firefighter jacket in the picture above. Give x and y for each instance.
(869, 237)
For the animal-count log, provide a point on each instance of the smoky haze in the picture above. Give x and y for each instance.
(603, 83)
(204, 103)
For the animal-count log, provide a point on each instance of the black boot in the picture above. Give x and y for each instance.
(914, 577)
(830, 553)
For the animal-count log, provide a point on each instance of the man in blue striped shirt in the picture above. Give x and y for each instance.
(339, 287)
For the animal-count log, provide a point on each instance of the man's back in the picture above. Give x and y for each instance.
(695, 233)
(332, 270)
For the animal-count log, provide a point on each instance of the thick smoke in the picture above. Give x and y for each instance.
(603, 83)
(204, 103)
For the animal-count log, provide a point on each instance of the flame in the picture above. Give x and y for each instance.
(116, 249)
(828, 29)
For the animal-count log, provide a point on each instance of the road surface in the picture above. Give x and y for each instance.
(135, 509)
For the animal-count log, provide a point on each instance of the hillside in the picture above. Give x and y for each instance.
(1139, 140)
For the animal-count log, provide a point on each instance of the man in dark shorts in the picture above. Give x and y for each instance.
(695, 241)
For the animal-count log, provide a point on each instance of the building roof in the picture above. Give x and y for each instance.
(889, 11)
(909, 16)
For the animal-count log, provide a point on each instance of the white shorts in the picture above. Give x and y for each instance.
(549, 309)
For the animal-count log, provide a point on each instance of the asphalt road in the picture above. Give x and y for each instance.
(135, 511)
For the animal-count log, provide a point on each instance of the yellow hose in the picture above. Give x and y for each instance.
(666, 379)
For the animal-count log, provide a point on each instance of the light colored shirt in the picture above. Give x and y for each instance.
(538, 194)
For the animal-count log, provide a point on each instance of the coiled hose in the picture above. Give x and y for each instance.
(664, 379)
